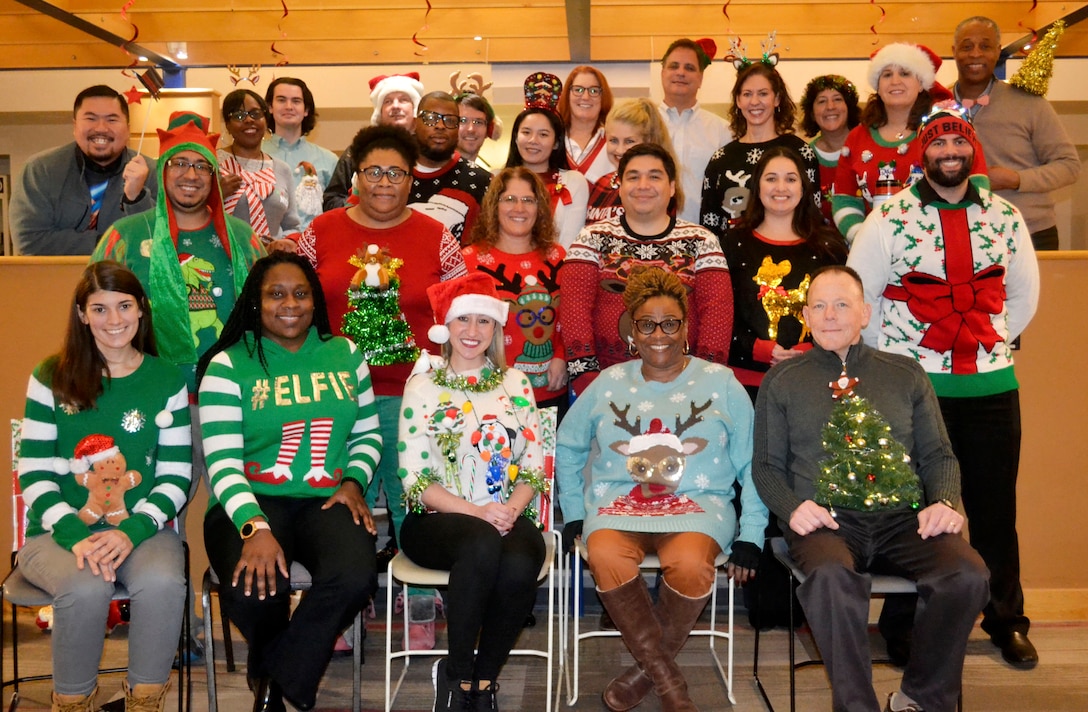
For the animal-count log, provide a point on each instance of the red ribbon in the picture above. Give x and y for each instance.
(127, 71)
(872, 27)
(1032, 30)
(958, 314)
(763, 289)
(279, 26)
(425, 27)
(728, 21)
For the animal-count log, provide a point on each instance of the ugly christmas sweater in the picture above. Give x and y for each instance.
(951, 285)
(596, 324)
(530, 283)
(297, 429)
(700, 422)
(478, 446)
(146, 413)
(866, 158)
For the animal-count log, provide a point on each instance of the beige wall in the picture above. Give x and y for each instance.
(1053, 495)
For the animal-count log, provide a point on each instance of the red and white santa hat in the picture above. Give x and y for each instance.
(473, 293)
(921, 61)
(656, 434)
(383, 85)
(91, 450)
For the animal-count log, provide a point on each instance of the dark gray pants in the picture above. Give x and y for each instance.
(952, 589)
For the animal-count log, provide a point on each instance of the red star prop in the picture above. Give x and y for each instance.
(843, 386)
(132, 95)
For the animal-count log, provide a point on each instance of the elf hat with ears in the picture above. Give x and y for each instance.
(472, 294)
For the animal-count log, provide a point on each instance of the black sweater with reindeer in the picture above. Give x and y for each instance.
(767, 279)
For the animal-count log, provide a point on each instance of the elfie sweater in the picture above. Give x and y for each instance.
(706, 409)
(127, 411)
(296, 430)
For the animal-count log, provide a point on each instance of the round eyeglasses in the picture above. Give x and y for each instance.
(580, 90)
(649, 326)
(373, 174)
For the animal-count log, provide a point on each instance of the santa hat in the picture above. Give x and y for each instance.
(472, 294)
(921, 61)
(186, 131)
(383, 85)
(657, 434)
(91, 450)
(946, 117)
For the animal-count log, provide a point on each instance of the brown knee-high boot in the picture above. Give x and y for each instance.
(632, 610)
(677, 615)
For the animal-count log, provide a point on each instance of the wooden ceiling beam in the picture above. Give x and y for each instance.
(95, 31)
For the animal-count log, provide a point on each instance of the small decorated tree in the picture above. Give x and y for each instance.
(866, 468)
(375, 322)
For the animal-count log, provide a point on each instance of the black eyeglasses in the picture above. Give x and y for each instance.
(649, 326)
(373, 174)
(433, 118)
(579, 90)
(240, 115)
(179, 167)
(475, 122)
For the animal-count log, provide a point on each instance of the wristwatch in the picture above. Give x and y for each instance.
(250, 529)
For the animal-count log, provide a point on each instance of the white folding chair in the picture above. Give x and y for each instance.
(650, 563)
(408, 573)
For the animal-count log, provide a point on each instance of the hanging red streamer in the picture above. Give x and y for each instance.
(728, 20)
(283, 60)
(872, 27)
(415, 35)
(127, 71)
(1034, 33)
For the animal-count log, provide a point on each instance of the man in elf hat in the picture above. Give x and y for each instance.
(1028, 151)
(842, 529)
(951, 273)
(394, 98)
(191, 257)
(66, 197)
(695, 132)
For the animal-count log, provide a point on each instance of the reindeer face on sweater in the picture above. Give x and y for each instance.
(656, 457)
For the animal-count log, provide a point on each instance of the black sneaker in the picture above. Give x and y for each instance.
(448, 696)
(484, 700)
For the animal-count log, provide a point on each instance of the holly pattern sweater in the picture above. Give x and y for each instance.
(595, 323)
(530, 282)
(708, 417)
(296, 430)
(951, 285)
(129, 412)
(478, 446)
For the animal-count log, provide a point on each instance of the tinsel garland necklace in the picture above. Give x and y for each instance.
(489, 378)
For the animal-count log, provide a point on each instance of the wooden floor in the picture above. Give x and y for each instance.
(1058, 684)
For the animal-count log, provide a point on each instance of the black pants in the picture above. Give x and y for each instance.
(493, 582)
(985, 435)
(951, 580)
(339, 555)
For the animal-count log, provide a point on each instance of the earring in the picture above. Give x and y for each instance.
(631, 349)
(687, 349)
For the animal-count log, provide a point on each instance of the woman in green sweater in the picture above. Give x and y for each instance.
(291, 438)
(105, 464)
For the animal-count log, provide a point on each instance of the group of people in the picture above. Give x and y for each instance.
(699, 300)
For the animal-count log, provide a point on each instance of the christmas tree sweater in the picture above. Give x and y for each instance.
(951, 285)
(698, 425)
(530, 282)
(770, 279)
(478, 446)
(795, 404)
(866, 158)
(728, 180)
(141, 487)
(296, 430)
(596, 324)
(430, 254)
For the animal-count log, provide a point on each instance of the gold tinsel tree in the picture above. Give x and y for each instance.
(1034, 74)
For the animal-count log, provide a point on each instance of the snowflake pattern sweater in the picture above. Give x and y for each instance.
(595, 323)
(951, 285)
(129, 412)
(530, 282)
(478, 446)
(297, 430)
(709, 419)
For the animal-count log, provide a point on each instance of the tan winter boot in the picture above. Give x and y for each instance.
(145, 698)
(677, 615)
(632, 610)
(74, 703)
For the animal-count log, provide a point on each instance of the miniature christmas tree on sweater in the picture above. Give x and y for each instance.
(866, 468)
(375, 322)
